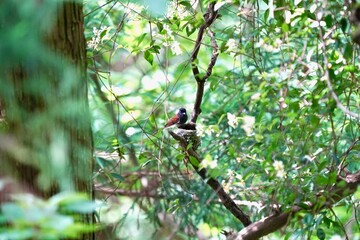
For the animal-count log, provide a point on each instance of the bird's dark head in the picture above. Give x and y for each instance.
(182, 110)
(182, 115)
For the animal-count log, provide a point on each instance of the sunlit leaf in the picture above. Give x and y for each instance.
(148, 57)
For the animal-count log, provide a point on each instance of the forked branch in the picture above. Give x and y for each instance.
(210, 17)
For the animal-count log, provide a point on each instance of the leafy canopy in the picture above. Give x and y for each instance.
(272, 128)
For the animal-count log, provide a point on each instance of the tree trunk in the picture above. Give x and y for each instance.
(48, 146)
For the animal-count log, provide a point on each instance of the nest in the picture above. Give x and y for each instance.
(190, 136)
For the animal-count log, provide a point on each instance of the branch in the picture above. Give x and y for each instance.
(214, 55)
(213, 183)
(210, 17)
(274, 222)
(129, 193)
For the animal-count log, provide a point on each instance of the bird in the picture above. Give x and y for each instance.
(180, 118)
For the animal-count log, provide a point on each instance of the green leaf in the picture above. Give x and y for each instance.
(350, 68)
(320, 233)
(321, 180)
(160, 26)
(64, 198)
(194, 161)
(155, 49)
(199, 19)
(190, 30)
(308, 219)
(303, 205)
(332, 177)
(344, 24)
(214, 83)
(189, 146)
(174, 206)
(102, 34)
(117, 176)
(146, 163)
(148, 57)
(259, 137)
(140, 38)
(102, 162)
(329, 21)
(321, 165)
(185, 3)
(327, 221)
(348, 52)
(314, 121)
(266, 15)
(81, 206)
(285, 27)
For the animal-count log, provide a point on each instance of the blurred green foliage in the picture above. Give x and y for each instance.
(29, 217)
(42, 116)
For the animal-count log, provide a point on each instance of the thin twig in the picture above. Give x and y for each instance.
(344, 156)
(341, 225)
(130, 193)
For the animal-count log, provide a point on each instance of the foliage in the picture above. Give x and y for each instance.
(29, 217)
(271, 131)
(279, 123)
